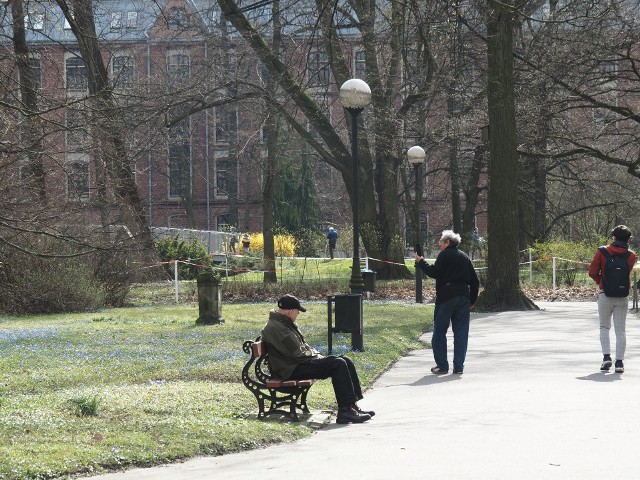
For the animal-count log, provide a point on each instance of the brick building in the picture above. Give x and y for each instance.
(194, 167)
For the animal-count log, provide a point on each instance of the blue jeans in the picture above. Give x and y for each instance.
(455, 311)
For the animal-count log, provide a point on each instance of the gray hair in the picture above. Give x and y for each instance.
(454, 238)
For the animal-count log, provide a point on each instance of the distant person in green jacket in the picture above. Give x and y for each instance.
(292, 358)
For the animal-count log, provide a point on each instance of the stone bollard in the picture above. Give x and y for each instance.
(209, 299)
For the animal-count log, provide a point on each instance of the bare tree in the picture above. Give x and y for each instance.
(396, 92)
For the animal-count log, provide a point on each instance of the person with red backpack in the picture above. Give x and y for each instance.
(610, 269)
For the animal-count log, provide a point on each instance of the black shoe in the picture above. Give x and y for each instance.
(606, 364)
(355, 406)
(349, 415)
(439, 371)
(459, 372)
(619, 366)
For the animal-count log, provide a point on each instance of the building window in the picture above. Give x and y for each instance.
(359, 67)
(177, 18)
(179, 169)
(116, 20)
(122, 71)
(179, 159)
(132, 19)
(34, 21)
(76, 127)
(78, 181)
(178, 67)
(76, 74)
(36, 68)
(225, 120)
(222, 177)
(318, 68)
(223, 222)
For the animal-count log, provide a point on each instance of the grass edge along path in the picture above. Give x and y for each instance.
(92, 392)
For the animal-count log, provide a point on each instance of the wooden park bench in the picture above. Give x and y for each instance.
(275, 396)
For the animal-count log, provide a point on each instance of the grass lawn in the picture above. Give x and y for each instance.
(90, 392)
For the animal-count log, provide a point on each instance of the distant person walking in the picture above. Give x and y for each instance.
(610, 269)
(233, 241)
(246, 243)
(332, 236)
(457, 288)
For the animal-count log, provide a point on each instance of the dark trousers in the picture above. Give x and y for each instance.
(454, 312)
(342, 371)
(332, 247)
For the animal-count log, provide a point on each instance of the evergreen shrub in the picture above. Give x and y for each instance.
(194, 252)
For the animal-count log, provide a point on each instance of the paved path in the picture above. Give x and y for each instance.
(532, 404)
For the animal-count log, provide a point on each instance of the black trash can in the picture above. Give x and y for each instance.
(348, 313)
(348, 318)
(369, 279)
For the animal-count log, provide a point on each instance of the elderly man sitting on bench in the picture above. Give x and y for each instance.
(291, 357)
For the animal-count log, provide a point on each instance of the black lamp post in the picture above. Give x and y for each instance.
(355, 95)
(416, 156)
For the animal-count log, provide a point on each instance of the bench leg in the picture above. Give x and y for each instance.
(303, 401)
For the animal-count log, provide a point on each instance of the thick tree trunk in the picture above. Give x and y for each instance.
(502, 288)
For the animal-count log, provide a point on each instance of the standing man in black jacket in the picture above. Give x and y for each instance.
(456, 291)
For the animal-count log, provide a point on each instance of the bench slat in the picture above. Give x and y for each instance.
(259, 349)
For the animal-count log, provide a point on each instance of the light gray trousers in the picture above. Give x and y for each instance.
(616, 308)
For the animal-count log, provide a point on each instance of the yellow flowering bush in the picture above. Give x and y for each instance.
(285, 245)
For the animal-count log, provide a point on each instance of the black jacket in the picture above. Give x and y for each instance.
(454, 274)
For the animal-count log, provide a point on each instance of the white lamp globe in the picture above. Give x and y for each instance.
(355, 93)
(416, 155)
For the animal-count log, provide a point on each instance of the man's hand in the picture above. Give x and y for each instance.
(418, 258)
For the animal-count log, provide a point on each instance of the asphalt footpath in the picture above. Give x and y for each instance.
(531, 404)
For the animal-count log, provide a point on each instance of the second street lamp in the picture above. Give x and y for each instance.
(355, 95)
(416, 156)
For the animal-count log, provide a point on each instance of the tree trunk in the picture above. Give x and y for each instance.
(28, 92)
(271, 168)
(472, 194)
(502, 289)
(112, 150)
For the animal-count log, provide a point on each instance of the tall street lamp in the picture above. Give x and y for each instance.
(416, 156)
(355, 95)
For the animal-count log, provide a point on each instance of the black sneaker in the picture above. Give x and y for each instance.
(619, 366)
(439, 371)
(606, 364)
